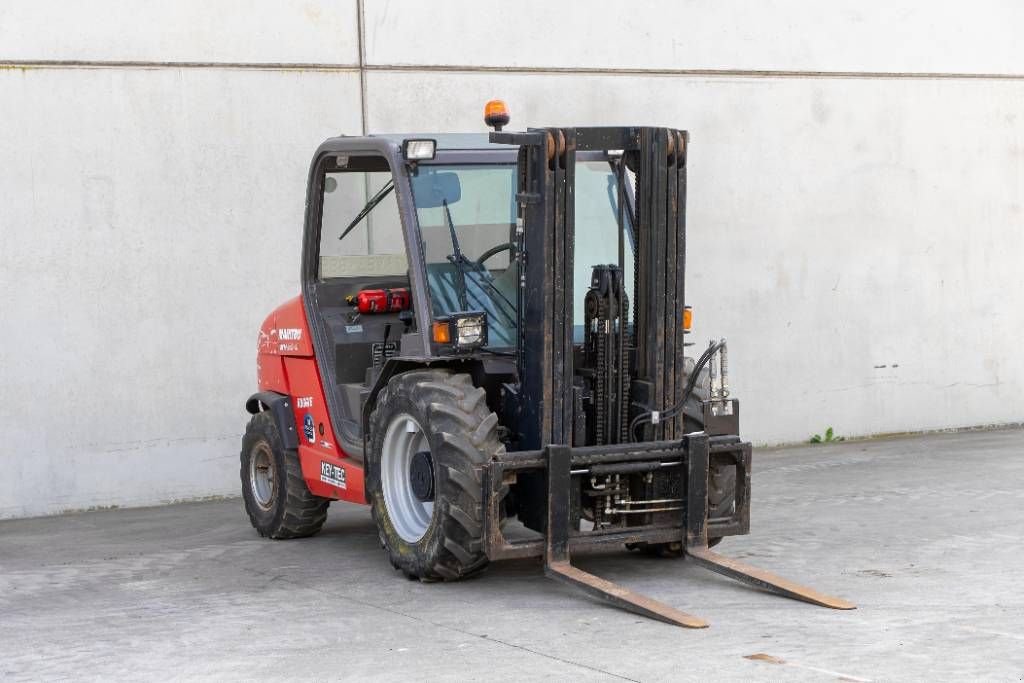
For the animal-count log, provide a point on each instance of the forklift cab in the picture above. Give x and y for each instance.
(410, 252)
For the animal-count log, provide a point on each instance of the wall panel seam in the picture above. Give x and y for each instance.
(361, 37)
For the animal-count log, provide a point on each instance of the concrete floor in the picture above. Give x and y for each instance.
(925, 534)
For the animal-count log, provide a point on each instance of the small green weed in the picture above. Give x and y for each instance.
(830, 437)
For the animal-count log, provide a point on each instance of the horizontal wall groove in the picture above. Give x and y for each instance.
(734, 73)
(523, 70)
(134, 64)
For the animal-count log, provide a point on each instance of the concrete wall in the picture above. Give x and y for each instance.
(857, 183)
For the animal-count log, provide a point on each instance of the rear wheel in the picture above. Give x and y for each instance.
(276, 498)
(431, 434)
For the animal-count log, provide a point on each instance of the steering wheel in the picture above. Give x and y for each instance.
(494, 251)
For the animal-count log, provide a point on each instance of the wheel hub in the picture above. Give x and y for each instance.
(421, 476)
(262, 479)
(408, 510)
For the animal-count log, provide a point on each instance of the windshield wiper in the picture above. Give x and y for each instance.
(459, 260)
(496, 294)
(374, 201)
(456, 257)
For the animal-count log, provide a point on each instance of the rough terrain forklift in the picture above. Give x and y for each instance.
(490, 351)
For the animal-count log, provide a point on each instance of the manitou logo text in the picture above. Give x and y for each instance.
(290, 333)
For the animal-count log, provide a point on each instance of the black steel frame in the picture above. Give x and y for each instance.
(545, 364)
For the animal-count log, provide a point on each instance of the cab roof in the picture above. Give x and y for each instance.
(446, 141)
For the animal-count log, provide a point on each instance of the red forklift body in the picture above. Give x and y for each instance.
(285, 364)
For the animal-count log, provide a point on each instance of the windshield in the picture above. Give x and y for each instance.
(467, 217)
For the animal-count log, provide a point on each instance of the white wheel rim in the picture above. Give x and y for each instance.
(262, 481)
(409, 515)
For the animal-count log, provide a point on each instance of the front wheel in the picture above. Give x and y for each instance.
(431, 435)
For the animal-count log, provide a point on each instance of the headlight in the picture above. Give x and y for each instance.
(471, 331)
(464, 331)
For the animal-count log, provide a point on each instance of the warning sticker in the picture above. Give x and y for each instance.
(381, 351)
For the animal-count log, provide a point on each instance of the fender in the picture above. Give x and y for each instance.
(280, 407)
(478, 367)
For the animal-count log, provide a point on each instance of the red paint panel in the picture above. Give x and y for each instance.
(330, 476)
(285, 331)
(316, 435)
(285, 363)
(270, 373)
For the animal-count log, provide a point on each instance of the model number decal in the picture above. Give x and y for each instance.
(332, 474)
(304, 402)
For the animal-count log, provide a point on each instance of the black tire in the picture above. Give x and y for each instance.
(721, 480)
(462, 434)
(288, 510)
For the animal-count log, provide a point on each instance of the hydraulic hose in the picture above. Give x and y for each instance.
(687, 390)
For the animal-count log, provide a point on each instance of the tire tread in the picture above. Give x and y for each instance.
(467, 432)
(302, 514)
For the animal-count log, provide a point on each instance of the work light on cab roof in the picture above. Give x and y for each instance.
(419, 149)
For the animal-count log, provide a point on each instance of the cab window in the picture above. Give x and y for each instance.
(360, 229)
